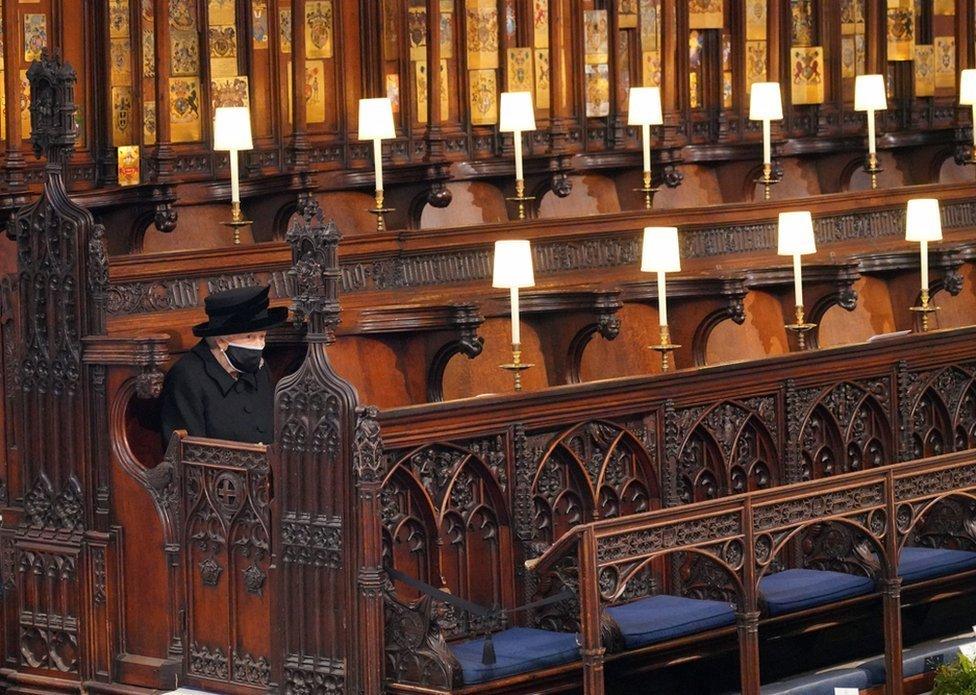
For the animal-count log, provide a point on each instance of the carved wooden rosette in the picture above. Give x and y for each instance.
(60, 540)
(328, 565)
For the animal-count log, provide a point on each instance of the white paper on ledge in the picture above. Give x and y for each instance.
(968, 650)
(847, 691)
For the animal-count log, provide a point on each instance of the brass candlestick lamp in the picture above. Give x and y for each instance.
(796, 239)
(661, 254)
(517, 117)
(232, 133)
(766, 105)
(869, 96)
(376, 124)
(512, 271)
(644, 110)
(923, 223)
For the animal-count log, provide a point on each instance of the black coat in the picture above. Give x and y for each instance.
(199, 396)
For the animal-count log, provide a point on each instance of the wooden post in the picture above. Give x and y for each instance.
(747, 621)
(592, 645)
(316, 582)
(434, 137)
(14, 163)
(299, 138)
(670, 82)
(891, 596)
(562, 71)
(369, 466)
(875, 35)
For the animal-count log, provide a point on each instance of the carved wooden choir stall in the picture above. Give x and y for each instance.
(782, 493)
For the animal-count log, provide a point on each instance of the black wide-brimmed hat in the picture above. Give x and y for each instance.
(242, 310)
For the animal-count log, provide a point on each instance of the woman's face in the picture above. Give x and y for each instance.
(255, 341)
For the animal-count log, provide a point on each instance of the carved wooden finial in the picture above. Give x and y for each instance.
(315, 268)
(54, 129)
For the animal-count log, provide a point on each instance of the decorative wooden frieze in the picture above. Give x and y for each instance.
(706, 530)
(430, 269)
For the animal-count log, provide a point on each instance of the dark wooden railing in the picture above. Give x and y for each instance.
(743, 534)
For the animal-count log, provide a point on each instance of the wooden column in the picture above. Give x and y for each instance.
(161, 42)
(562, 73)
(434, 133)
(672, 77)
(14, 163)
(369, 466)
(315, 584)
(165, 217)
(875, 33)
(747, 621)
(299, 145)
(891, 597)
(371, 48)
(592, 649)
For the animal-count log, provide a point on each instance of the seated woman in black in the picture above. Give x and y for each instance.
(222, 388)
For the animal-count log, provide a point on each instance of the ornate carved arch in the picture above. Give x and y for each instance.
(839, 545)
(725, 448)
(409, 529)
(948, 521)
(940, 404)
(844, 428)
(964, 420)
(931, 426)
(602, 465)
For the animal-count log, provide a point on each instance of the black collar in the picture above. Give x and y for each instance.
(213, 368)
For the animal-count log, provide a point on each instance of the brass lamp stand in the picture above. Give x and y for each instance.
(873, 168)
(237, 221)
(800, 328)
(648, 190)
(665, 348)
(924, 310)
(520, 198)
(516, 366)
(380, 211)
(768, 181)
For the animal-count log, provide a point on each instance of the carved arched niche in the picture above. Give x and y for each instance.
(844, 428)
(595, 470)
(725, 449)
(445, 521)
(943, 413)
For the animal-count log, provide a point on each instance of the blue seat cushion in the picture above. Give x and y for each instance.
(917, 564)
(517, 650)
(821, 682)
(660, 618)
(796, 589)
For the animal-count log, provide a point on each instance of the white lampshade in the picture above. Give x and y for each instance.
(967, 87)
(923, 222)
(513, 264)
(765, 102)
(644, 106)
(869, 93)
(796, 234)
(661, 253)
(376, 119)
(517, 112)
(232, 128)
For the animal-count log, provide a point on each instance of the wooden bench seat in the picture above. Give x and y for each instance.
(517, 650)
(798, 589)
